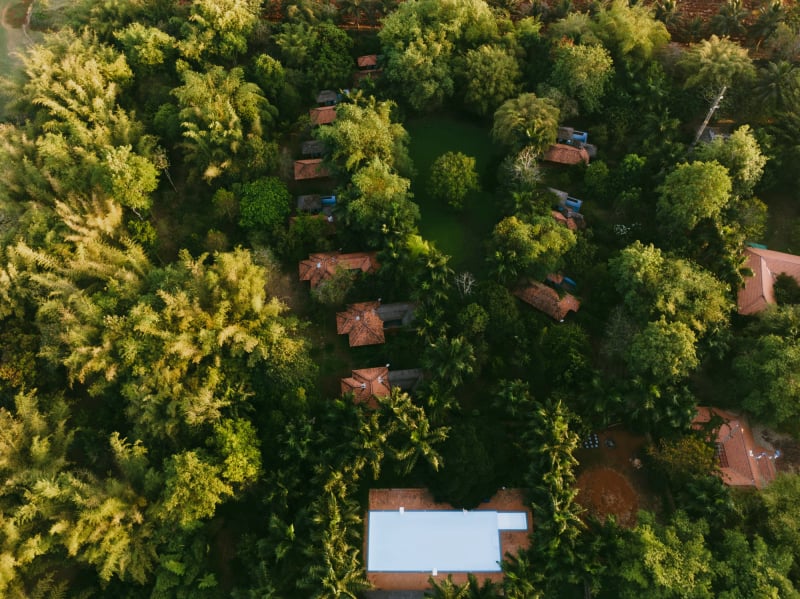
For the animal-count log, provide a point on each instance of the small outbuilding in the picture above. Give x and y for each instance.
(310, 168)
(566, 154)
(322, 115)
(322, 266)
(547, 300)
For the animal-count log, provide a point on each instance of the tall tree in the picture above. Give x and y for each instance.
(526, 121)
(223, 118)
(362, 133)
(691, 193)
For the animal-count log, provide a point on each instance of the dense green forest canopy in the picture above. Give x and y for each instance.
(171, 422)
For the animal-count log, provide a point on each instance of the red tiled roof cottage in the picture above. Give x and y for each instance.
(766, 265)
(566, 154)
(368, 383)
(323, 265)
(362, 323)
(310, 168)
(547, 300)
(742, 462)
(323, 115)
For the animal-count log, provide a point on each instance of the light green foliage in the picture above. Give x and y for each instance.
(362, 133)
(453, 176)
(741, 155)
(526, 121)
(691, 193)
(491, 76)
(750, 568)
(420, 40)
(582, 72)
(320, 52)
(715, 62)
(665, 561)
(222, 116)
(520, 248)
(683, 459)
(218, 28)
(194, 488)
(236, 441)
(654, 285)
(380, 206)
(133, 177)
(631, 32)
(145, 47)
(577, 27)
(269, 74)
(264, 203)
(663, 352)
(765, 370)
(782, 501)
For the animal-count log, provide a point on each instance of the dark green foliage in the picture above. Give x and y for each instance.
(264, 204)
(470, 470)
(787, 290)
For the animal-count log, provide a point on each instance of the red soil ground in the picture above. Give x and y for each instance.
(607, 481)
(605, 492)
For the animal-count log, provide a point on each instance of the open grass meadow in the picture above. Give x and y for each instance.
(460, 234)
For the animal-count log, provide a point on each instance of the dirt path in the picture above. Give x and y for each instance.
(12, 40)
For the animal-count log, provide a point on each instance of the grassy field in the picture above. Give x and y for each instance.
(459, 234)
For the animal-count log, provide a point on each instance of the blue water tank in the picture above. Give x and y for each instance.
(329, 201)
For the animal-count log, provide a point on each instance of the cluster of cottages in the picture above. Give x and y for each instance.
(409, 537)
(742, 461)
(364, 323)
(311, 165)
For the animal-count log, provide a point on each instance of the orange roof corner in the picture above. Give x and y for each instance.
(366, 384)
(322, 115)
(766, 265)
(322, 265)
(742, 462)
(361, 323)
(547, 300)
(367, 61)
(566, 154)
(310, 168)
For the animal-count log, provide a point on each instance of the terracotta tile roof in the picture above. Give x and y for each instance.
(324, 115)
(366, 61)
(566, 154)
(743, 463)
(766, 265)
(563, 220)
(322, 266)
(362, 323)
(311, 168)
(367, 384)
(547, 300)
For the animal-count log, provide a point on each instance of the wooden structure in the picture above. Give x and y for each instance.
(547, 300)
(322, 115)
(566, 154)
(310, 168)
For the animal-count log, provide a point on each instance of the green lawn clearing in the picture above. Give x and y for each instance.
(458, 234)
